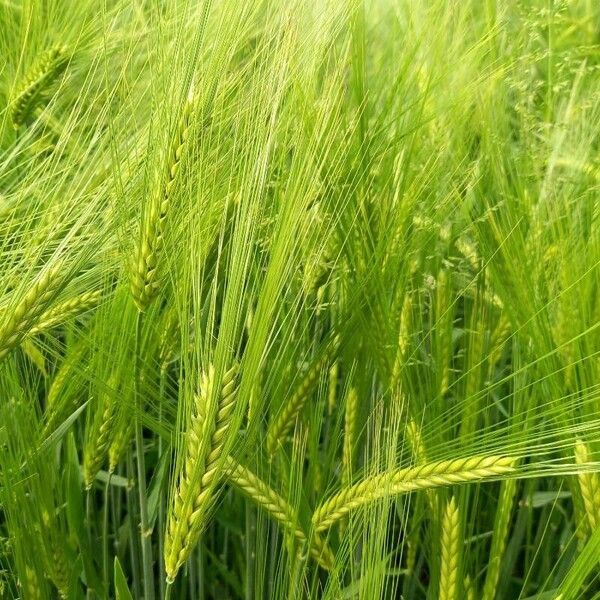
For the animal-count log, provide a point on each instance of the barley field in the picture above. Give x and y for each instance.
(300, 300)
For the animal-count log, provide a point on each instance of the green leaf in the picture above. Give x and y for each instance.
(121, 587)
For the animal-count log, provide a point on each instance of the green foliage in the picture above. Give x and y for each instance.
(299, 299)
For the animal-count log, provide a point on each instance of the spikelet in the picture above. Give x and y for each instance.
(193, 494)
(17, 323)
(401, 481)
(278, 508)
(450, 552)
(29, 93)
(66, 310)
(589, 484)
(285, 420)
(350, 415)
(144, 270)
(469, 588)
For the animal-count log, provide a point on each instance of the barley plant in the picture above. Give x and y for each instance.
(300, 300)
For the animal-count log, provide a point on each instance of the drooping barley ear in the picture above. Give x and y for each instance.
(16, 324)
(502, 523)
(285, 420)
(99, 437)
(350, 415)
(401, 481)
(450, 552)
(66, 310)
(201, 468)
(144, 269)
(589, 483)
(278, 508)
(30, 91)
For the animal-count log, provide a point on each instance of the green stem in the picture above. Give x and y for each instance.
(145, 532)
(161, 504)
(168, 589)
(105, 535)
(133, 543)
(250, 550)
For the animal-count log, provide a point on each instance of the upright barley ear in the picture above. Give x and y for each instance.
(401, 481)
(201, 468)
(284, 421)
(450, 552)
(30, 92)
(144, 270)
(589, 484)
(16, 324)
(278, 508)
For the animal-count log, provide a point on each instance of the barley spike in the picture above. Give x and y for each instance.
(401, 481)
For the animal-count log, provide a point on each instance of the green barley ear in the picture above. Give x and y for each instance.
(589, 484)
(16, 324)
(144, 270)
(66, 310)
(30, 91)
(402, 481)
(99, 435)
(193, 492)
(450, 552)
(285, 420)
(278, 508)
